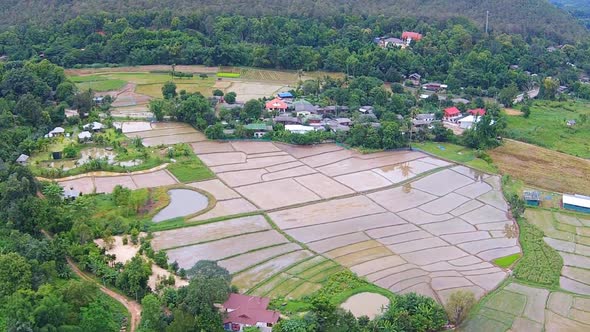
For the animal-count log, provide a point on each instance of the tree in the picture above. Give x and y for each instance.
(30, 109)
(169, 90)
(97, 318)
(508, 94)
(134, 277)
(230, 97)
(392, 138)
(15, 274)
(549, 88)
(458, 305)
(215, 131)
(293, 325)
(84, 102)
(151, 314)
(65, 91)
(412, 312)
(205, 269)
(160, 108)
(218, 93)
(526, 111)
(253, 109)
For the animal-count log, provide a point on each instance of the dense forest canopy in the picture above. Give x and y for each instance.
(527, 17)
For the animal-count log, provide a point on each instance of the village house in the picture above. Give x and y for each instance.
(390, 42)
(332, 109)
(366, 109)
(260, 129)
(451, 114)
(570, 123)
(334, 126)
(422, 121)
(303, 105)
(415, 78)
(299, 129)
(71, 193)
(579, 203)
(344, 121)
(477, 112)
(460, 101)
(94, 126)
(532, 197)
(313, 119)
(57, 131)
(285, 95)
(84, 136)
(286, 120)
(468, 121)
(241, 311)
(433, 86)
(409, 36)
(276, 105)
(22, 159)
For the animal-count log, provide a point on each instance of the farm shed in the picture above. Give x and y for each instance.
(22, 159)
(579, 203)
(532, 198)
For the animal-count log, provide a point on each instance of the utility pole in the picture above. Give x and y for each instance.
(487, 20)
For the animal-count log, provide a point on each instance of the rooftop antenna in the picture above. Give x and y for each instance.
(487, 20)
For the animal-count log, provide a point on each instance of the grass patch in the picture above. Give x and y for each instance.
(458, 154)
(190, 170)
(540, 263)
(228, 75)
(98, 82)
(546, 127)
(506, 261)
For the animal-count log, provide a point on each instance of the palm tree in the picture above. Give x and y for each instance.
(405, 168)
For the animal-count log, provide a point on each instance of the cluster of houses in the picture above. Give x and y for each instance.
(454, 115)
(572, 202)
(406, 39)
(300, 116)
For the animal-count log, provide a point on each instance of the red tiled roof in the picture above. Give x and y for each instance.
(452, 111)
(410, 34)
(478, 112)
(276, 103)
(248, 310)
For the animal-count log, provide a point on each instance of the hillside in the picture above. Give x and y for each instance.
(528, 17)
(578, 8)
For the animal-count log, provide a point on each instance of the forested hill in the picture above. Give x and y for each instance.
(528, 17)
(578, 8)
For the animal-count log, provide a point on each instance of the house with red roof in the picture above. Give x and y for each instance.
(277, 105)
(477, 112)
(408, 36)
(451, 114)
(241, 311)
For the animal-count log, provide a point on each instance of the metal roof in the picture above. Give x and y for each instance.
(577, 200)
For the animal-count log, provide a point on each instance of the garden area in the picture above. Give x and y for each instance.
(459, 154)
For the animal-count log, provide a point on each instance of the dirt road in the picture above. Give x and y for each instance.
(133, 307)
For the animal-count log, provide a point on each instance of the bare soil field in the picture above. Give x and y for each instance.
(512, 112)
(543, 168)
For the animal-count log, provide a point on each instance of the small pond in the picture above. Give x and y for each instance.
(182, 203)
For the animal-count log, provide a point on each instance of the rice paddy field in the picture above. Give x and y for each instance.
(289, 217)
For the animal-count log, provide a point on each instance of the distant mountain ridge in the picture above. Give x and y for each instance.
(527, 17)
(578, 8)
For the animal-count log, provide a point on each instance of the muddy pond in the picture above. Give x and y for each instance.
(183, 202)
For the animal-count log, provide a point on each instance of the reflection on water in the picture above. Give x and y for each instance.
(88, 155)
(404, 168)
(476, 175)
(407, 188)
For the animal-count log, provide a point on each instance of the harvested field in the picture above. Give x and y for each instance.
(323, 186)
(211, 147)
(208, 232)
(247, 90)
(174, 139)
(512, 112)
(220, 249)
(543, 168)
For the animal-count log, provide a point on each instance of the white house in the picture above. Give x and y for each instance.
(84, 136)
(94, 126)
(366, 109)
(299, 129)
(22, 159)
(468, 121)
